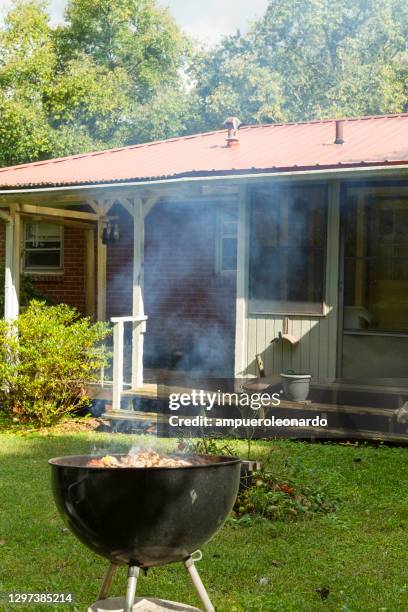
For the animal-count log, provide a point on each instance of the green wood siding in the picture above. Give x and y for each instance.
(316, 353)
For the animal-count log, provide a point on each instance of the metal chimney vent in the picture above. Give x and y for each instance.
(232, 124)
(339, 132)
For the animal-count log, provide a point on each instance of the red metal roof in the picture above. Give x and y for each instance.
(379, 140)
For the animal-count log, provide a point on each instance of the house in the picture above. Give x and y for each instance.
(259, 249)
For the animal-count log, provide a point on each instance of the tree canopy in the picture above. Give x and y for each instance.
(116, 73)
(310, 59)
(91, 82)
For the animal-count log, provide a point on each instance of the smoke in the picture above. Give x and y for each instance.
(132, 445)
(190, 305)
(191, 308)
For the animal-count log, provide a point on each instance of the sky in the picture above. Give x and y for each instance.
(205, 20)
(209, 20)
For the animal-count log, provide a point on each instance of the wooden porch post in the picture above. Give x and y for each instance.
(242, 285)
(90, 273)
(331, 320)
(117, 363)
(12, 267)
(138, 307)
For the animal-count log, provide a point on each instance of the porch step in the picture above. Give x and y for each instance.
(132, 421)
(365, 394)
(344, 422)
(132, 415)
(156, 424)
(146, 390)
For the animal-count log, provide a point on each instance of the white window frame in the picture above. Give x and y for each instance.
(43, 270)
(221, 235)
(289, 308)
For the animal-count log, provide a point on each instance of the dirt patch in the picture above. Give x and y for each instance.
(73, 425)
(66, 426)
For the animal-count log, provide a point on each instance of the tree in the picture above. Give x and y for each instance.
(117, 73)
(230, 81)
(27, 62)
(90, 83)
(137, 37)
(307, 59)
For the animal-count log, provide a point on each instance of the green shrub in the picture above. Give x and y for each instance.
(206, 446)
(286, 499)
(46, 358)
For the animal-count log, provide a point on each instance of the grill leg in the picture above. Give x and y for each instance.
(107, 581)
(133, 573)
(199, 587)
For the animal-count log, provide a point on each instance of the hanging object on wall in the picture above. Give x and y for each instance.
(285, 335)
(105, 235)
(110, 233)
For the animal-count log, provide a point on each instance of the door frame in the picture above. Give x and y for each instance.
(340, 298)
(346, 186)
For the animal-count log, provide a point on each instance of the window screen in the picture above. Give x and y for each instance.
(227, 238)
(42, 247)
(376, 264)
(288, 249)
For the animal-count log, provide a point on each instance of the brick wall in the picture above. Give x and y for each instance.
(191, 308)
(119, 267)
(69, 287)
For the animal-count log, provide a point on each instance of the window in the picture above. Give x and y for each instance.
(227, 239)
(376, 265)
(43, 247)
(288, 249)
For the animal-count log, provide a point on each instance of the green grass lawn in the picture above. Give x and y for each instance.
(360, 552)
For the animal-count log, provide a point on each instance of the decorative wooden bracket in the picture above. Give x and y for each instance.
(284, 335)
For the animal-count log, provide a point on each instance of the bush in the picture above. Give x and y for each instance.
(46, 358)
(283, 499)
(206, 446)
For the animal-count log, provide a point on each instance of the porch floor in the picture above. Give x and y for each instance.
(369, 413)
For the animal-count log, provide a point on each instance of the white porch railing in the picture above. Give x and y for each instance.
(139, 328)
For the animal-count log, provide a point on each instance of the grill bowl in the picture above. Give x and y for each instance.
(145, 516)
